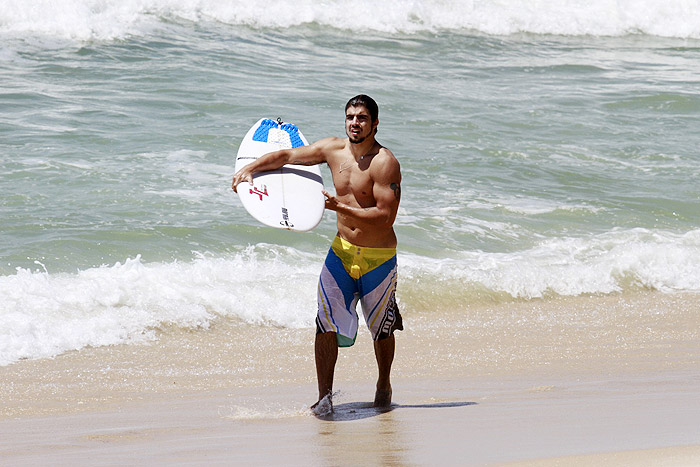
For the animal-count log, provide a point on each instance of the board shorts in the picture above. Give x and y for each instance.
(351, 274)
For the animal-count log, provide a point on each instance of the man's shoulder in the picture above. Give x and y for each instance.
(386, 158)
(324, 149)
(332, 143)
(385, 164)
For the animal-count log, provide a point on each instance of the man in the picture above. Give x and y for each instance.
(361, 263)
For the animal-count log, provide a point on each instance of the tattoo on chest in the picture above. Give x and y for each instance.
(397, 190)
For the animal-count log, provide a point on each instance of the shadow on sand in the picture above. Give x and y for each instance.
(360, 410)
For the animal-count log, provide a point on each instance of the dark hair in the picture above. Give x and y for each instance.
(367, 102)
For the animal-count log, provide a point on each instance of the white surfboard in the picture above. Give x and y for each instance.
(287, 198)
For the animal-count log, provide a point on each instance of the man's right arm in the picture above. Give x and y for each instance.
(302, 155)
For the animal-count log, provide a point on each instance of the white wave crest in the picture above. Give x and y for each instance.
(43, 315)
(608, 263)
(105, 20)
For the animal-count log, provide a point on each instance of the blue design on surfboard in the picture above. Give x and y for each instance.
(263, 131)
(293, 134)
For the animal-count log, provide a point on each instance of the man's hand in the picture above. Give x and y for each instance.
(331, 201)
(241, 176)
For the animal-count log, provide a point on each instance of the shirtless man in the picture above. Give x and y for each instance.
(361, 263)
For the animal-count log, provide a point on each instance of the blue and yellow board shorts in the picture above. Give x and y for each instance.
(351, 274)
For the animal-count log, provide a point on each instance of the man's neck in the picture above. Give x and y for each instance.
(359, 150)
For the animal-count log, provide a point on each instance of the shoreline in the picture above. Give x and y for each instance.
(491, 421)
(618, 375)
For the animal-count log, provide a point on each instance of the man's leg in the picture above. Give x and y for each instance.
(384, 351)
(326, 350)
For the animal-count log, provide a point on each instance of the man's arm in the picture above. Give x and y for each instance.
(386, 191)
(302, 155)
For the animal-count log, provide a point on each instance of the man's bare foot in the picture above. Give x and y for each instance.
(323, 406)
(382, 398)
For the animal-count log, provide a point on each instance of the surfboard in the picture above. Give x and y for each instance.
(287, 198)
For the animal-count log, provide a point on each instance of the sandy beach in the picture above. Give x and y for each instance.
(494, 422)
(201, 397)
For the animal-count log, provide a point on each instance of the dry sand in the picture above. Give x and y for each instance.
(617, 388)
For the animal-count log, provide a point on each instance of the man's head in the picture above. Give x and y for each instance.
(361, 118)
(367, 102)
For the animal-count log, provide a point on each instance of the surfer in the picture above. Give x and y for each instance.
(361, 263)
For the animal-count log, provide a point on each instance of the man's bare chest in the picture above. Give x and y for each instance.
(355, 185)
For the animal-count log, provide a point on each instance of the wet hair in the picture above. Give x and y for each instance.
(366, 102)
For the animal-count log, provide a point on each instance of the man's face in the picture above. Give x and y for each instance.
(358, 124)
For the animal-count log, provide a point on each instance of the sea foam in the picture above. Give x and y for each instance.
(102, 20)
(44, 314)
(616, 261)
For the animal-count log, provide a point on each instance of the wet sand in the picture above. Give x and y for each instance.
(617, 388)
(490, 422)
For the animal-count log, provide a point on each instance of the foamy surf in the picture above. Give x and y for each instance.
(616, 261)
(44, 314)
(99, 20)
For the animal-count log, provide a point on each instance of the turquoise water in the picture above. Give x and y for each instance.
(537, 160)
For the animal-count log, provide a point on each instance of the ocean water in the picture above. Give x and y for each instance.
(548, 149)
